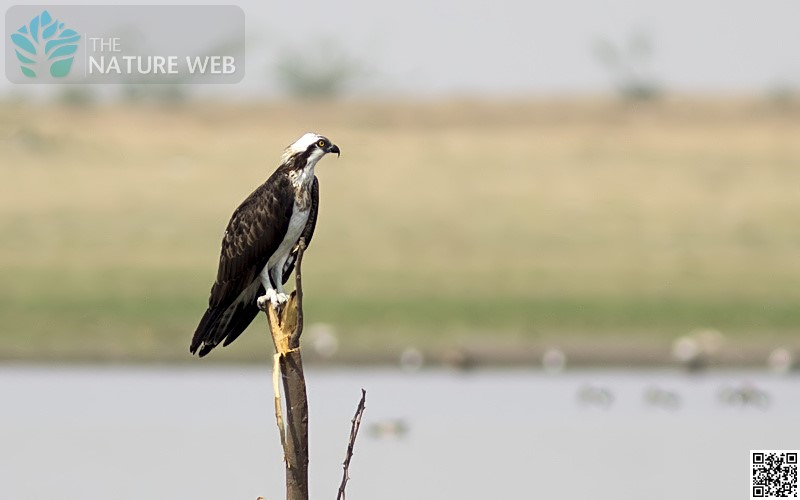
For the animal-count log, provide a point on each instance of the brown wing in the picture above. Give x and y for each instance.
(254, 232)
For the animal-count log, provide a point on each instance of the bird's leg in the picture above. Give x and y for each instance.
(280, 295)
(274, 290)
(271, 295)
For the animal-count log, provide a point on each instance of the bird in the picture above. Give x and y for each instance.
(261, 243)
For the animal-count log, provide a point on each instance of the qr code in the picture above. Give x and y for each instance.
(774, 474)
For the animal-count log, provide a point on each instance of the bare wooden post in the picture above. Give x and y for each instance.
(286, 326)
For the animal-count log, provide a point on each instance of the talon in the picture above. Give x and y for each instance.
(281, 298)
(271, 296)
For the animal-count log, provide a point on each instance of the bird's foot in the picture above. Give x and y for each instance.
(272, 297)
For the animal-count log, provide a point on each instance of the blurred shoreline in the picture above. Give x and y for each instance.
(751, 357)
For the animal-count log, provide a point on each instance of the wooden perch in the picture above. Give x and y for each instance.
(286, 325)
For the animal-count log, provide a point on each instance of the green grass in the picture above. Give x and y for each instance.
(156, 325)
(470, 224)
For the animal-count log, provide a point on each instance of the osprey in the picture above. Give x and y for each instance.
(259, 248)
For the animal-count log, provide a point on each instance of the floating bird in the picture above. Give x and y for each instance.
(260, 245)
(458, 359)
(411, 359)
(696, 350)
(396, 428)
(323, 339)
(595, 396)
(781, 360)
(662, 398)
(554, 360)
(744, 395)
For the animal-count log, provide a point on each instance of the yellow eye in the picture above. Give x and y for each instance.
(321, 143)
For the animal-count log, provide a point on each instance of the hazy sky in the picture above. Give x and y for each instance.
(512, 46)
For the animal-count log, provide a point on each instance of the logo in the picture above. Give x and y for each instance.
(112, 44)
(43, 46)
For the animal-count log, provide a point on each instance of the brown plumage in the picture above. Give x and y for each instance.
(256, 231)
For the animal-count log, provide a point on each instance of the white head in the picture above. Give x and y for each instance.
(304, 142)
(311, 147)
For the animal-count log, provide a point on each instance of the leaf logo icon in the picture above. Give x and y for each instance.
(44, 45)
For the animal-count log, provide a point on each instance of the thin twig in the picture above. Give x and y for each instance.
(351, 444)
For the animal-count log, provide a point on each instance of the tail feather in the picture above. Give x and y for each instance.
(224, 325)
(240, 321)
(206, 328)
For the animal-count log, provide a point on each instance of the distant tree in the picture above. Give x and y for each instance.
(629, 66)
(323, 72)
(782, 94)
(164, 93)
(77, 95)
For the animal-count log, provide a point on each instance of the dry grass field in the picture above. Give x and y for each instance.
(473, 224)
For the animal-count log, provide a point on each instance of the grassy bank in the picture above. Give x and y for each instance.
(460, 223)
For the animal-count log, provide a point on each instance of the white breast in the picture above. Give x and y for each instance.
(296, 225)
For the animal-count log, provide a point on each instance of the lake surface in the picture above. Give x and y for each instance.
(173, 433)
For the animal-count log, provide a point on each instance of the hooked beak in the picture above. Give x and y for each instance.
(333, 148)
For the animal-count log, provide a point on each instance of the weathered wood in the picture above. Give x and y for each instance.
(296, 450)
(286, 325)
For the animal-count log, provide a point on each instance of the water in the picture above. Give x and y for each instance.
(153, 433)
